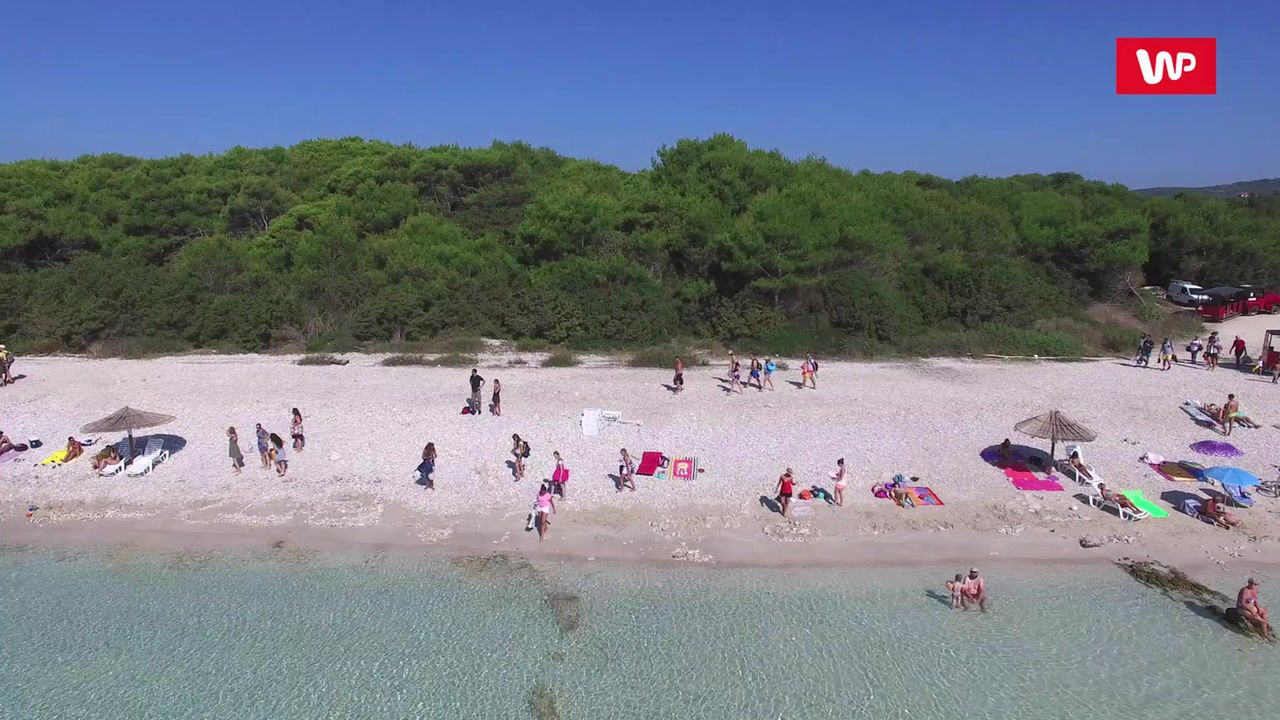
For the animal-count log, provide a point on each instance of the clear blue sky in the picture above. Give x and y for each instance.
(953, 88)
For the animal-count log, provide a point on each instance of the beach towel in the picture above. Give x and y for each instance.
(1152, 509)
(8, 455)
(1198, 414)
(55, 458)
(924, 495)
(649, 462)
(684, 468)
(1177, 471)
(1032, 483)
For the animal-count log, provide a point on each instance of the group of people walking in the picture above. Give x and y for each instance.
(271, 447)
(759, 373)
(1212, 349)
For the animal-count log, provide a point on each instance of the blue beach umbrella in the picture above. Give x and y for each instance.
(1232, 476)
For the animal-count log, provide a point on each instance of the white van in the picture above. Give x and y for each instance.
(1182, 292)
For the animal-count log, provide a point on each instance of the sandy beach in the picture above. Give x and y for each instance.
(366, 426)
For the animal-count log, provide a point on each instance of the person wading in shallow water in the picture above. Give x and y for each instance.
(974, 591)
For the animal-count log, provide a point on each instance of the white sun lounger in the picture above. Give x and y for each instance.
(1125, 514)
(111, 470)
(1070, 471)
(153, 455)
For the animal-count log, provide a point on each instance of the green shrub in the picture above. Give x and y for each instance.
(406, 359)
(454, 360)
(320, 359)
(560, 359)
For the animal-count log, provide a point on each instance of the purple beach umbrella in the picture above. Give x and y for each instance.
(1216, 448)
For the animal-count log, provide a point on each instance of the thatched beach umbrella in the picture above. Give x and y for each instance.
(1054, 426)
(127, 419)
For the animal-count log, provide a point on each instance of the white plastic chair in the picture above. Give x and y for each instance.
(1125, 514)
(151, 456)
(1070, 470)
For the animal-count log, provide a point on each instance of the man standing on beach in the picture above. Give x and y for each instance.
(1229, 413)
(974, 590)
(477, 382)
(1237, 349)
(678, 381)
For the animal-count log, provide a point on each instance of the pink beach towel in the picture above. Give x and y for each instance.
(1049, 484)
(1019, 472)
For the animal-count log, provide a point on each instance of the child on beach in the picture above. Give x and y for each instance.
(559, 476)
(281, 457)
(769, 367)
(495, 402)
(626, 472)
(956, 588)
(808, 375)
(264, 450)
(295, 431)
(841, 482)
(233, 450)
(677, 382)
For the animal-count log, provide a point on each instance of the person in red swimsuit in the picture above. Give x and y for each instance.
(786, 484)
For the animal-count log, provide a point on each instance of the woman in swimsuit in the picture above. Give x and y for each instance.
(496, 400)
(73, 450)
(105, 459)
(626, 472)
(560, 475)
(295, 431)
(755, 373)
(735, 377)
(786, 485)
(841, 482)
(1249, 609)
(518, 449)
(1213, 510)
(769, 367)
(546, 505)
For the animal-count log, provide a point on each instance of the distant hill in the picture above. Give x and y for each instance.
(1261, 187)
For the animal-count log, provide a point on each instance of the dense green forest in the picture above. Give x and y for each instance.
(347, 243)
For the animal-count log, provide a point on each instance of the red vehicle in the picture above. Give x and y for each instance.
(1228, 302)
(1270, 355)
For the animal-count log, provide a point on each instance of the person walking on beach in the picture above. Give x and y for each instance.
(233, 450)
(495, 402)
(6, 361)
(520, 449)
(477, 382)
(756, 367)
(1237, 349)
(264, 450)
(626, 472)
(427, 466)
(282, 457)
(559, 476)
(841, 482)
(1212, 348)
(1229, 413)
(1249, 609)
(295, 431)
(677, 381)
(974, 590)
(769, 367)
(545, 505)
(735, 376)
(1194, 347)
(786, 485)
(733, 361)
(1166, 354)
(808, 373)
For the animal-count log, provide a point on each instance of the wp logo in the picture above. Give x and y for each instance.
(1166, 66)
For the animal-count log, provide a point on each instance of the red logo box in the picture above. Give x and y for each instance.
(1166, 66)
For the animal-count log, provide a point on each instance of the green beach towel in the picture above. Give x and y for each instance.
(1144, 504)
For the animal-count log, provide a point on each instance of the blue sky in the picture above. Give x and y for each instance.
(953, 88)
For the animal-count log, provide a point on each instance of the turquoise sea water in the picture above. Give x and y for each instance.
(121, 635)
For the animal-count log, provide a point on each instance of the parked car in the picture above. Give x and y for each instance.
(1227, 302)
(1181, 292)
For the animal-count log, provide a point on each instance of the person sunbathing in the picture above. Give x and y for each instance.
(73, 451)
(1214, 412)
(1117, 498)
(105, 459)
(1004, 454)
(1079, 466)
(1246, 421)
(1214, 511)
(1249, 609)
(5, 444)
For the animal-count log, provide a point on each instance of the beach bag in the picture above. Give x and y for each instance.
(560, 475)
(813, 365)
(533, 515)
(525, 454)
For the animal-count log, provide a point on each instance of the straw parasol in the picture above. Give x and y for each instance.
(1054, 426)
(127, 419)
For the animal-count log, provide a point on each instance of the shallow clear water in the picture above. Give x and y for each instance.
(120, 635)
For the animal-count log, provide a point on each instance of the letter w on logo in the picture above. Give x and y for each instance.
(1165, 64)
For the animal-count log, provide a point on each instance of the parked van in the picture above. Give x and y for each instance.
(1182, 292)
